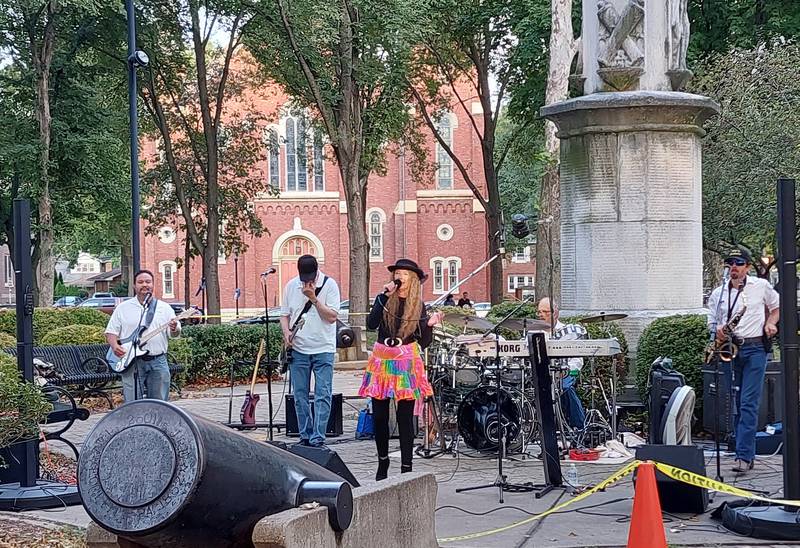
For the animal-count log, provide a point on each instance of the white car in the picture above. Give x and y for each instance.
(482, 309)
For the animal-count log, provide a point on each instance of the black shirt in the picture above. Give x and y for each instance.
(423, 334)
(464, 302)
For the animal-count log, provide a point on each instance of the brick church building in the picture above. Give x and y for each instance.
(436, 222)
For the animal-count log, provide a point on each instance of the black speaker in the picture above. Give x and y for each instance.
(662, 384)
(335, 427)
(325, 457)
(677, 496)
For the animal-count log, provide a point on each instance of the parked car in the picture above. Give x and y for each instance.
(103, 304)
(103, 295)
(67, 301)
(481, 309)
(274, 316)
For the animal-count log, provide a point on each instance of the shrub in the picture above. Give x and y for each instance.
(22, 405)
(7, 341)
(498, 311)
(74, 334)
(452, 327)
(47, 319)
(683, 339)
(214, 348)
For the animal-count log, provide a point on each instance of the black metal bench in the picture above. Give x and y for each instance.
(83, 368)
(64, 414)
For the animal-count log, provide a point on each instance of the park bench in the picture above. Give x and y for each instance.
(83, 369)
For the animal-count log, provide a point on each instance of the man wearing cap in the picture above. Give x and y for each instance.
(758, 324)
(315, 298)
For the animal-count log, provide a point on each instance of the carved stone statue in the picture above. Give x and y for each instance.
(678, 13)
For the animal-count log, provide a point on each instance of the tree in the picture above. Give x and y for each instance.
(344, 62)
(204, 124)
(749, 145)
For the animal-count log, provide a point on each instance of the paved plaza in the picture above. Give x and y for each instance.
(600, 520)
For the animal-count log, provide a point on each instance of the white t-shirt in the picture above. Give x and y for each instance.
(316, 336)
(130, 314)
(757, 294)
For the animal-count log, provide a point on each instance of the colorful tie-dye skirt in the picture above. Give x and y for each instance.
(396, 372)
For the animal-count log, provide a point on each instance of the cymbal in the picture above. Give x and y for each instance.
(519, 324)
(603, 317)
(472, 322)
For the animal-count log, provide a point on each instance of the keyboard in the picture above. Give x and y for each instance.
(580, 348)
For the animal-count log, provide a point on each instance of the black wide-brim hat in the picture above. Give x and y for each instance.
(408, 264)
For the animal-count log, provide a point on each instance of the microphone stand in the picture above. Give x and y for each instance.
(501, 482)
(135, 344)
(718, 477)
(269, 359)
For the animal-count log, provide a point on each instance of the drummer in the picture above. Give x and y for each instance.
(570, 402)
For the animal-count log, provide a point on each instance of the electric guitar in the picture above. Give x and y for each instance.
(285, 357)
(248, 412)
(135, 350)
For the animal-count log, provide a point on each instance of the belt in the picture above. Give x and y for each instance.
(150, 357)
(752, 340)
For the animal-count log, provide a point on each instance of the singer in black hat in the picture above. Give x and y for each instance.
(395, 369)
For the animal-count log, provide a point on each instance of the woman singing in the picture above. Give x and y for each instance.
(395, 369)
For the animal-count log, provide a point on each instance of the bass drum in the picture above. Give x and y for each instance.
(478, 418)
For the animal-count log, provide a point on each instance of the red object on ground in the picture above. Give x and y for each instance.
(584, 454)
(647, 526)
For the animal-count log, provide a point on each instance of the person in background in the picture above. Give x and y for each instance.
(449, 301)
(464, 300)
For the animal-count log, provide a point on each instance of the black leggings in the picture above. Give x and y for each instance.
(405, 423)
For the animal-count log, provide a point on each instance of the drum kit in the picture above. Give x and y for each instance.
(466, 405)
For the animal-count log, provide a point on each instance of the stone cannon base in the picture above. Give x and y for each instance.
(395, 513)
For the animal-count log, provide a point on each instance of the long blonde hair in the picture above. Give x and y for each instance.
(411, 312)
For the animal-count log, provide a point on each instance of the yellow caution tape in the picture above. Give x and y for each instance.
(613, 478)
(707, 483)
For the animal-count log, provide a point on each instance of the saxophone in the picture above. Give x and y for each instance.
(727, 348)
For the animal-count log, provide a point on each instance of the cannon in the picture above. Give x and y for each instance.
(157, 475)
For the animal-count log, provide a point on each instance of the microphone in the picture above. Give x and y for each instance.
(726, 273)
(396, 283)
(270, 270)
(147, 299)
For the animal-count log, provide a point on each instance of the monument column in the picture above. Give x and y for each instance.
(631, 177)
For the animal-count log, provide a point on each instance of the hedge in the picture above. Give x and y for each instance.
(7, 341)
(682, 338)
(213, 348)
(74, 334)
(22, 405)
(500, 310)
(47, 319)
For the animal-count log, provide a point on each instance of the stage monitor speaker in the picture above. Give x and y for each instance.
(662, 384)
(335, 427)
(327, 458)
(677, 496)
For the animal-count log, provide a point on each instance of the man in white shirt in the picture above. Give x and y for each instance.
(128, 318)
(570, 402)
(313, 345)
(759, 323)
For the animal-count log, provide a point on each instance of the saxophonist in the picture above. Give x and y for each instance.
(757, 326)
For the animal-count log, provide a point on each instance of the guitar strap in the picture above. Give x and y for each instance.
(148, 319)
(307, 307)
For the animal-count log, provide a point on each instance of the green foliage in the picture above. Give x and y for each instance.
(682, 338)
(498, 311)
(62, 290)
(214, 348)
(22, 405)
(7, 341)
(74, 335)
(750, 144)
(48, 319)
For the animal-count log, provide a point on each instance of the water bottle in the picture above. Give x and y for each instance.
(572, 479)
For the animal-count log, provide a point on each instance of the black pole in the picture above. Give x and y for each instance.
(787, 249)
(23, 273)
(134, 135)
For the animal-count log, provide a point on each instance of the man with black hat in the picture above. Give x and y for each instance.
(311, 301)
(757, 325)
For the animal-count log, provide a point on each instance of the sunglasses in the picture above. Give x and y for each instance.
(736, 261)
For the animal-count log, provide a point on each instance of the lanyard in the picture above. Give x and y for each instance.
(732, 305)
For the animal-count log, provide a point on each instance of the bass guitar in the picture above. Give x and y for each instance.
(285, 357)
(248, 412)
(135, 348)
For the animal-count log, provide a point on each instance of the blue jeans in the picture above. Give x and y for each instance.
(312, 428)
(749, 368)
(571, 403)
(153, 375)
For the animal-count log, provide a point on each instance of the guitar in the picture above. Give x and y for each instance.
(248, 413)
(133, 351)
(285, 357)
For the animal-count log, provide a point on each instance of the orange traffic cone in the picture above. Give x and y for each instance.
(647, 527)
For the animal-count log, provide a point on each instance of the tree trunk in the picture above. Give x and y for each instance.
(211, 274)
(46, 262)
(126, 265)
(562, 49)
(496, 267)
(355, 194)
(187, 273)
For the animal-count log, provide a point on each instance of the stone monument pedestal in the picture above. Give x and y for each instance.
(631, 219)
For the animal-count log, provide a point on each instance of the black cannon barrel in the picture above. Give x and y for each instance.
(160, 476)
